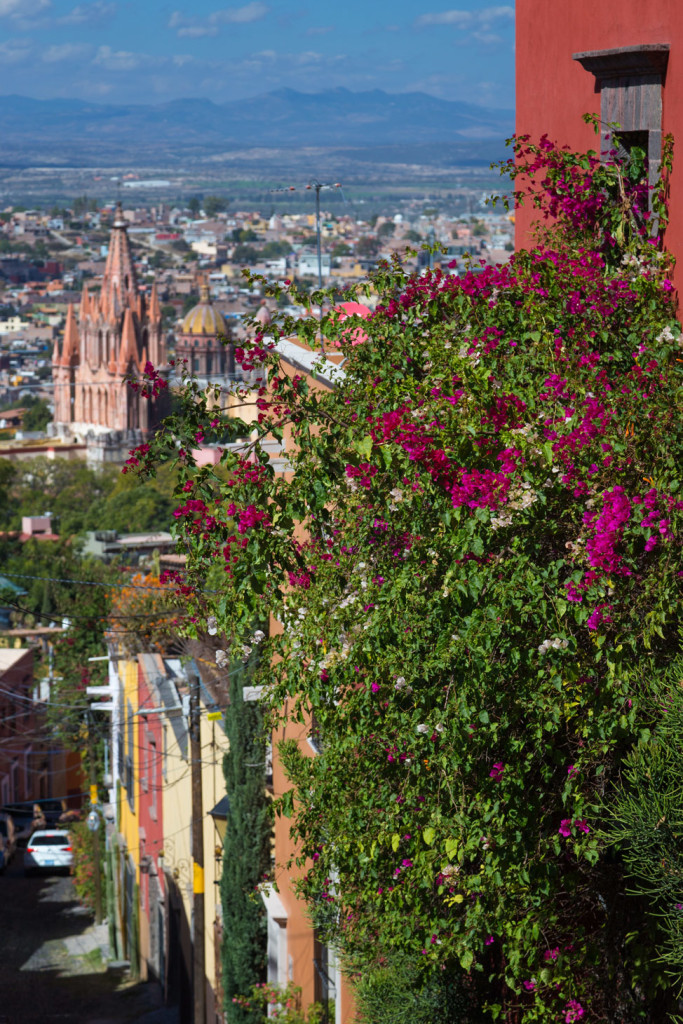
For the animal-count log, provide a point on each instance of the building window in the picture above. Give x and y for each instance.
(153, 778)
(629, 80)
(144, 777)
(27, 771)
(130, 755)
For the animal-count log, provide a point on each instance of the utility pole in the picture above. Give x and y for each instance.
(198, 965)
(318, 186)
(97, 874)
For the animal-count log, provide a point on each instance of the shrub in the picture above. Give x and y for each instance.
(84, 866)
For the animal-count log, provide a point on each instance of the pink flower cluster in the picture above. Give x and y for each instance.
(152, 383)
(566, 825)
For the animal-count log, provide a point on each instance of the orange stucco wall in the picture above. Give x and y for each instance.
(553, 91)
(300, 936)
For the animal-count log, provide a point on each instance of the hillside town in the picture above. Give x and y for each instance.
(49, 258)
(340, 577)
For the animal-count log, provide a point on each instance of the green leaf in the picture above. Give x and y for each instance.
(364, 447)
(451, 848)
(466, 959)
(429, 835)
(395, 840)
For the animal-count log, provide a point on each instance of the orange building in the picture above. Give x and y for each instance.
(295, 953)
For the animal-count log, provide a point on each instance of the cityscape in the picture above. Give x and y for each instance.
(340, 514)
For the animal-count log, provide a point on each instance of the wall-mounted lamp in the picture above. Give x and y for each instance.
(220, 818)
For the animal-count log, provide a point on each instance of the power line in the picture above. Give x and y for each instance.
(94, 583)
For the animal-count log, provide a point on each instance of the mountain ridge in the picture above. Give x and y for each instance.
(281, 117)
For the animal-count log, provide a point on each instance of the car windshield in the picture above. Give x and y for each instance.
(49, 841)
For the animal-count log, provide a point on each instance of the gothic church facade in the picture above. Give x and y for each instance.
(114, 335)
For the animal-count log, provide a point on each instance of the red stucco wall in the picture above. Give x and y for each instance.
(553, 91)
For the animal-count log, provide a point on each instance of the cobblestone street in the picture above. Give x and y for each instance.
(53, 961)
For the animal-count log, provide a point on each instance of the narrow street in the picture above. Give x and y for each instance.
(51, 965)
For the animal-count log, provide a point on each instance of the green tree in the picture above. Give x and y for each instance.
(194, 205)
(246, 254)
(190, 302)
(7, 476)
(386, 229)
(214, 204)
(246, 851)
(244, 235)
(367, 246)
(37, 417)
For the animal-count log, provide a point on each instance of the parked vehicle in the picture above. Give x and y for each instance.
(8, 842)
(48, 850)
(21, 816)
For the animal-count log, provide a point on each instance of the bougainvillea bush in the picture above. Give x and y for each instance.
(476, 561)
(84, 864)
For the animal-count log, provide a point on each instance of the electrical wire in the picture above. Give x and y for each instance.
(94, 583)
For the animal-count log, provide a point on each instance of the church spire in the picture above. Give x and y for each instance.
(85, 303)
(119, 271)
(70, 355)
(129, 347)
(154, 307)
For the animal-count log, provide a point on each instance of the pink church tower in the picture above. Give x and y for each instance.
(115, 334)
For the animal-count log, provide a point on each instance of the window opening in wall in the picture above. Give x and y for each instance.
(629, 80)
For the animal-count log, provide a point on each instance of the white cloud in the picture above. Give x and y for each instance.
(81, 14)
(254, 11)
(194, 28)
(14, 51)
(467, 19)
(196, 31)
(320, 30)
(463, 19)
(64, 51)
(22, 8)
(118, 60)
(487, 38)
(492, 13)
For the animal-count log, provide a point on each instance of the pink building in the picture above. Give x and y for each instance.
(622, 61)
(115, 334)
(149, 732)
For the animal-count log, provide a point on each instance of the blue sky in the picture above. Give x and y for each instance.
(148, 51)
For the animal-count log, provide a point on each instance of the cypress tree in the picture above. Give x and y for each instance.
(246, 852)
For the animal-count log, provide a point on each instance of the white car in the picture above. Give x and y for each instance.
(48, 849)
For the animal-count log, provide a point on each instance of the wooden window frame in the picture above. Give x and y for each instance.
(629, 80)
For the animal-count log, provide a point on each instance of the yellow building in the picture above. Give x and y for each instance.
(128, 838)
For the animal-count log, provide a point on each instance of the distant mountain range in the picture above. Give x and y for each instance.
(76, 131)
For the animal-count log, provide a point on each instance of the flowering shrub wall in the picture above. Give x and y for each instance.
(84, 866)
(489, 587)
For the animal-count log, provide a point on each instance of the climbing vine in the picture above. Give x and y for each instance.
(476, 564)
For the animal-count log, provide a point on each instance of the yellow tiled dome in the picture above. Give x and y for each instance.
(204, 318)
